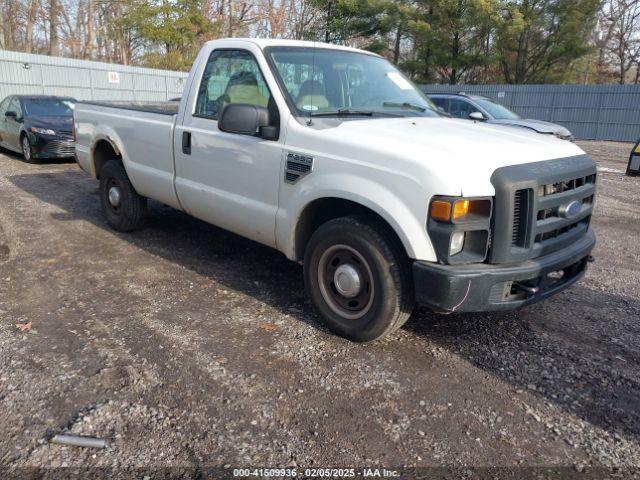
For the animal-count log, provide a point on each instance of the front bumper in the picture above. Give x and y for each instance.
(491, 287)
(49, 146)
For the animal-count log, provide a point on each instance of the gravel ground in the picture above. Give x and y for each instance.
(187, 347)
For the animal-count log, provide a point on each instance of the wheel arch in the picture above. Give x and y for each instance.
(322, 209)
(103, 150)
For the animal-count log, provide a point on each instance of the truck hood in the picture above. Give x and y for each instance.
(462, 154)
(539, 126)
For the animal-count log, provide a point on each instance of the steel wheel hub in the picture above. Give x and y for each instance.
(115, 196)
(347, 280)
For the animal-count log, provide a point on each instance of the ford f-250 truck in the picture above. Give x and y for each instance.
(330, 155)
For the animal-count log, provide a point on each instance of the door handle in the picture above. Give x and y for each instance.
(186, 143)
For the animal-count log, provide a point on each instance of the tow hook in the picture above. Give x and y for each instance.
(591, 259)
(526, 288)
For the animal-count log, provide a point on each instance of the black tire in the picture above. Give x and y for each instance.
(27, 150)
(385, 297)
(131, 210)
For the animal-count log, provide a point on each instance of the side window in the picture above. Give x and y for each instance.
(230, 76)
(14, 105)
(4, 105)
(461, 108)
(441, 103)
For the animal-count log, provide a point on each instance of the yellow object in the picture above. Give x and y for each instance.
(460, 208)
(249, 94)
(441, 210)
(312, 102)
(637, 150)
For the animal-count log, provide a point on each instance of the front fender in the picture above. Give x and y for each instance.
(407, 224)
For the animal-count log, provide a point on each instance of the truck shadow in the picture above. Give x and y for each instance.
(579, 351)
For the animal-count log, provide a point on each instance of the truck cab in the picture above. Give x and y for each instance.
(332, 156)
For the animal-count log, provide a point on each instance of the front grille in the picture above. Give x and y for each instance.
(59, 148)
(566, 185)
(65, 133)
(519, 228)
(541, 207)
(551, 224)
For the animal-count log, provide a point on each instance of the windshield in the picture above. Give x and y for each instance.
(496, 110)
(325, 81)
(53, 107)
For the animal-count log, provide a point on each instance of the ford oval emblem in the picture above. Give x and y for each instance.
(571, 209)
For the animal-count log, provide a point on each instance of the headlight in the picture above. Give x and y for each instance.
(43, 131)
(459, 228)
(564, 136)
(457, 242)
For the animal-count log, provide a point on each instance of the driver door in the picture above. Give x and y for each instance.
(228, 179)
(12, 125)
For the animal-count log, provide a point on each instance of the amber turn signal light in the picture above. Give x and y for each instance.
(441, 210)
(460, 208)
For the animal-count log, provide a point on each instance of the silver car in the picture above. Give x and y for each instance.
(476, 107)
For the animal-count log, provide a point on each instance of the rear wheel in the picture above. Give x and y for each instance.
(124, 209)
(27, 151)
(358, 278)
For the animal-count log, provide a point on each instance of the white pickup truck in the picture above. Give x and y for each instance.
(330, 155)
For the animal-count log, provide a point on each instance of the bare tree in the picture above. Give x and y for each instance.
(88, 44)
(625, 42)
(607, 21)
(10, 13)
(32, 12)
(54, 47)
(617, 40)
(3, 25)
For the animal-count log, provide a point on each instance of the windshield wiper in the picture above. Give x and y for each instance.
(405, 105)
(343, 112)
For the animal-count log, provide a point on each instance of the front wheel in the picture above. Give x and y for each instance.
(124, 209)
(27, 151)
(358, 278)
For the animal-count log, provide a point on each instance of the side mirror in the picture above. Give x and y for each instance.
(11, 114)
(245, 119)
(476, 116)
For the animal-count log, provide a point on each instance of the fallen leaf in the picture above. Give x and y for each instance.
(267, 326)
(24, 327)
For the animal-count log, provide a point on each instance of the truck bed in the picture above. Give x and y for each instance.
(141, 132)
